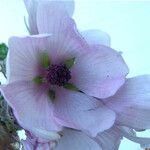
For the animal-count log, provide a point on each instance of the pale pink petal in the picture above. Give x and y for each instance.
(68, 5)
(64, 47)
(70, 140)
(110, 139)
(76, 140)
(99, 72)
(79, 111)
(31, 6)
(132, 103)
(94, 37)
(33, 144)
(23, 62)
(32, 107)
(52, 18)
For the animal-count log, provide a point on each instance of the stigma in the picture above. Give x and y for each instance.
(58, 74)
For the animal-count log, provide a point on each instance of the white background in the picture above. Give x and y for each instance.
(127, 22)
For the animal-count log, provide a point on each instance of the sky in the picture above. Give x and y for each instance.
(127, 23)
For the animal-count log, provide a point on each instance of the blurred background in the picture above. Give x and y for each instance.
(127, 23)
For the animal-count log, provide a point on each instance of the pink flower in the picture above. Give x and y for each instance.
(78, 79)
(131, 103)
(28, 99)
(96, 71)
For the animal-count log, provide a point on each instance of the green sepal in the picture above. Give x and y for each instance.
(52, 95)
(71, 87)
(3, 51)
(45, 60)
(38, 80)
(70, 62)
(27, 26)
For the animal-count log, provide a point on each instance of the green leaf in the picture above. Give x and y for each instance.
(45, 60)
(3, 51)
(52, 95)
(71, 87)
(38, 80)
(70, 62)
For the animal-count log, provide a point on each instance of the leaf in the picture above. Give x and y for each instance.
(52, 95)
(71, 87)
(38, 80)
(70, 62)
(45, 60)
(3, 51)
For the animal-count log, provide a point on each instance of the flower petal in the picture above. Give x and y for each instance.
(109, 139)
(99, 72)
(31, 6)
(94, 37)
(23, 60)
(131, 135)
(32, 107)
(71, 140)
(33, 143)
(78, 111)
(76, 140)
(68, 5)
(27, 145)
(132, 103)
(53, 18)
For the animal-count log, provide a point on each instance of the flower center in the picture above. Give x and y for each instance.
(58, 74)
